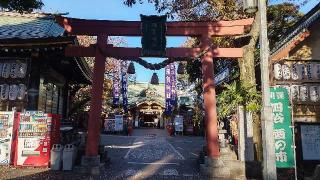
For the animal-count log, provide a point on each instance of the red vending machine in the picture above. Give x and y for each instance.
(36, 133)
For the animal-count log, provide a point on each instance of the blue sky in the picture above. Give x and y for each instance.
(116, 10)
(113, 10)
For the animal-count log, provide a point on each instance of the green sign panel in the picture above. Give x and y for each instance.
(282, 130)
(153, 36)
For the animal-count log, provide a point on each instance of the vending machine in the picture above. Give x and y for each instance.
(6, 135)
(36, 133)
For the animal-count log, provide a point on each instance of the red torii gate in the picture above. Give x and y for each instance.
(103, 28)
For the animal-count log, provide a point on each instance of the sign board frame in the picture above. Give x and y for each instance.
(153, 36)
(178, 123)
(304, 127)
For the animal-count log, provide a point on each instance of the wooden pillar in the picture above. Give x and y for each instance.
(94, 121)
(209, 95)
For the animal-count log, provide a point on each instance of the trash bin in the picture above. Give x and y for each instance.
(69, 156)
(56, 157)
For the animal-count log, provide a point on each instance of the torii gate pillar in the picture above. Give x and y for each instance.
(209, 95)
(91, 157)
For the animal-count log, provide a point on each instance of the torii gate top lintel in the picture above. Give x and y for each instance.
(75, 26)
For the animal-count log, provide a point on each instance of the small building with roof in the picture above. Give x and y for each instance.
(34, 72)
(295, 65)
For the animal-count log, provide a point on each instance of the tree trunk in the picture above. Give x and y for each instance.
(247, 76)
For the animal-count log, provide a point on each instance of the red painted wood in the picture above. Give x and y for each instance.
(122, 31)
(209, 95)
(94, 122)
(126, 28)
(132, 28)
(88, 22)
(127, 53)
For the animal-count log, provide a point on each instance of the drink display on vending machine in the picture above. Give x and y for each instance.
(35, 137)
(6, 131)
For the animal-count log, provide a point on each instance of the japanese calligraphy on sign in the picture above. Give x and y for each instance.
(116, 85)
(153, 36)
(282, 132)
(310, 138)
(168, 89)
(173, 84)
(124, 85)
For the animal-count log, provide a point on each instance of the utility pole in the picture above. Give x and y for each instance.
(269, 162)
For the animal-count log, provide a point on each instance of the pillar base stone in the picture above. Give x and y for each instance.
(217, 168)
(90, 161)
(90, 165)
(214, 168)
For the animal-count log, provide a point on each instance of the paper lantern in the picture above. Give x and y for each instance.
(14, 70)
(181, 68)
(309, 70)
(301, 71)
(13, 92)
(294, 72)
(316, 71)
(277, 71)
(6, 70)
(303, 93)
(22, 70)
(22, 91)
(154, 79)
(314, 93)
(286, 74)
(4, 91)
(295, 92)
(131, 69)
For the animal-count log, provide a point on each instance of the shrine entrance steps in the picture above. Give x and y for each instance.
(228, 167)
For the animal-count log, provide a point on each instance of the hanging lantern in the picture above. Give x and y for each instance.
(181, 68)
(131, 69)
(250, 6)
(154, 79)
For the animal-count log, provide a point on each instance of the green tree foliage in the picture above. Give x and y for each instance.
(281, 16)
(21, 5)
(235, 94)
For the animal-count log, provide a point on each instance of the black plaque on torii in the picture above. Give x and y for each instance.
(153, 36)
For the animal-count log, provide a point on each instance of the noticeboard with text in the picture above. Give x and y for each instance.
(310, 140)
(282, 130)
(153, 36)
(178, 123)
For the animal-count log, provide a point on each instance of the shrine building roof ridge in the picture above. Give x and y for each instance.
(14, 25)
(297, 30)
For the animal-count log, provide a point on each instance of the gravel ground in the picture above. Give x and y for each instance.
(148, 154)
(25, 173)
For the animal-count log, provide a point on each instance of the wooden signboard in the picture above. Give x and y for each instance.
(310, 140)
(153, 36)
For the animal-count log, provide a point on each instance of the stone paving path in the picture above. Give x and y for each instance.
(151, 149)
(148, 154)
(151, 154)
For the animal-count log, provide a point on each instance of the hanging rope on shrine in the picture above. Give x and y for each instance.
(157, 66)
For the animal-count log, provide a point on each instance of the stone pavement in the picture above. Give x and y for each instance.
(151, 154)
(148, 154)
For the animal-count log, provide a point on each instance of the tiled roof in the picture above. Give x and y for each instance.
(136, 93)
(26, 26)
(305, 22)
